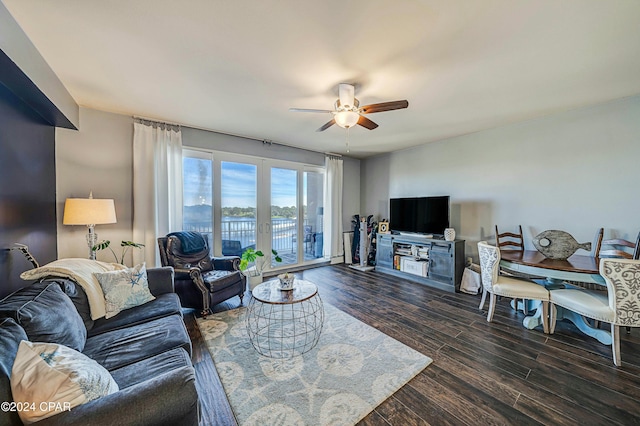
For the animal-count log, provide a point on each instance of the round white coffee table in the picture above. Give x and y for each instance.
(284, 323)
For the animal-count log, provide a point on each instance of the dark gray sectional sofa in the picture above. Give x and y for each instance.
(146, 349)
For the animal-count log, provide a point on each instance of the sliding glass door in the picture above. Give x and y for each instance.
(284, 214)
(197, 210)
(239, 207)
(242, 201)
(313, 213)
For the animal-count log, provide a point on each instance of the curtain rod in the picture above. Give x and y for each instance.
(168, 123)
(264, 141)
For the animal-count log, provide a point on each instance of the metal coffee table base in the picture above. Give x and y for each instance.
(285, 330)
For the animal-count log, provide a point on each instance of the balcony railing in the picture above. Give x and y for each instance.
(244, 230)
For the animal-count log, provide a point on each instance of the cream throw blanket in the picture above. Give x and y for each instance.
(81, 271)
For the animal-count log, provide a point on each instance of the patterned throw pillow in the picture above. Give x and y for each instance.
(124, 289)
(51, 378)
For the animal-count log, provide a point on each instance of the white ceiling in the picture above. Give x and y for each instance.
(236, 66)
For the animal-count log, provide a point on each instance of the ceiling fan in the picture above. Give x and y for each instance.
(347, 111)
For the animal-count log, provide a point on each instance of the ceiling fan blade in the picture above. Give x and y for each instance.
(384, 106)
(347, 93)
(365, 122)
(309, 110)
(327, 125)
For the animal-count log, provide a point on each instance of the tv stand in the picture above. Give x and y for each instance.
(430, 261)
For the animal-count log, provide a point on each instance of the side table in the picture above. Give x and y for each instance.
(285, 323)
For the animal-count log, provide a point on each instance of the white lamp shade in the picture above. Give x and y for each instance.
(88, 211)
(346, 119)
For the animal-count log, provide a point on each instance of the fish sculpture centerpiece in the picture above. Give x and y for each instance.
(558, 245)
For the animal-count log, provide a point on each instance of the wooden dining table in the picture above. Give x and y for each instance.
(579, 268)
(556, 273)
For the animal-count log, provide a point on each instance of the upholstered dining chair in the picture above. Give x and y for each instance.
(501, 285)
(512, 241)
(619, 306)
(617, 248)
(201, 281)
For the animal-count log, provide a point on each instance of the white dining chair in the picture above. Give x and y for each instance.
(500, 285)
(620, 306)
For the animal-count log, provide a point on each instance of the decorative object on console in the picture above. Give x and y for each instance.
(558, 245)
(449, 234)
(90, 212)
(383, 228)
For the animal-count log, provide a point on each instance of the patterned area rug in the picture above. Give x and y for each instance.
(351, 371)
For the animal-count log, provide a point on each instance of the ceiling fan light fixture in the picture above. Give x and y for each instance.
(346, 119)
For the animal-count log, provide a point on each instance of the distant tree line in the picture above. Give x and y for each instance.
(285, 212)
(276, 211)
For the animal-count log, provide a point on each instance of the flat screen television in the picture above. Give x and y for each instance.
(422, 215)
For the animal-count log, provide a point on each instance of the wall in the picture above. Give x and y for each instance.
(27, 193)
(351, 192)
(197, 138)
(99, 158)
(575, 171)
(32, 102)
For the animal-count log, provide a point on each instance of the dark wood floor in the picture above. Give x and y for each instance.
(483, 373)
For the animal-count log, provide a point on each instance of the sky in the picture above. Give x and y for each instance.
(239, 183)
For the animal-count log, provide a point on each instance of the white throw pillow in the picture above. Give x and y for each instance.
(80, 271)
(49, 378)
(124, 289)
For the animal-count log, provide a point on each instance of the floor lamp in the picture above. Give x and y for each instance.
(90, 212)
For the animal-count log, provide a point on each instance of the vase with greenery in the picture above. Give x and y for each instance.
(126, 245)
(254, 257)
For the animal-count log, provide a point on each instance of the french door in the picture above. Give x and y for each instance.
(242, 201)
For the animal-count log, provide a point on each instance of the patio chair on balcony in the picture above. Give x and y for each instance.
(201, 281)
(234, 248)
(308, 239)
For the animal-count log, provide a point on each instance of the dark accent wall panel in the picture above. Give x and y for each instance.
(27, 189)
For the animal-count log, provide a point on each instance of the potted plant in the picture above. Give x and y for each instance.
(258, 262)
(126, 245)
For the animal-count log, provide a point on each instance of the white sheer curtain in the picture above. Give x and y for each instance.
(157, 187)
(333, 245)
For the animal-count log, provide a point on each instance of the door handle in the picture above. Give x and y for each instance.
(267, 227)
(260, 228)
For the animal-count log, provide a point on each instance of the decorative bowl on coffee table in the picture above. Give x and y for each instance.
(286, 281)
